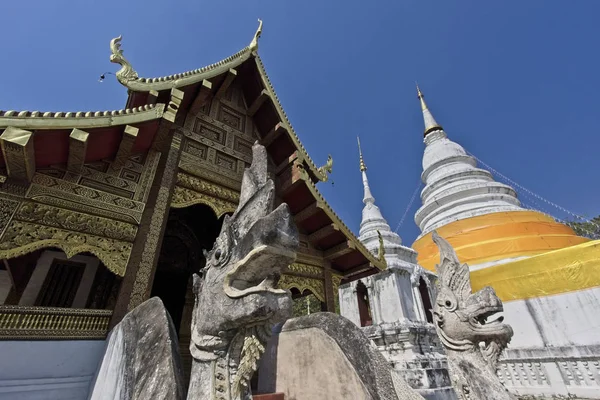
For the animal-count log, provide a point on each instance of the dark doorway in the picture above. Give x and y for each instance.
(364, 306)
(189, 230)
(425, 299)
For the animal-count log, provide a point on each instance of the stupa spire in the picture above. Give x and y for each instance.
(363, 169)
(430, 122)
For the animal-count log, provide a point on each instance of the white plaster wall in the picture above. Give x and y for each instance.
(561, 320)
(386, 298)
(349, 302)
(5, 285)
(48, 370)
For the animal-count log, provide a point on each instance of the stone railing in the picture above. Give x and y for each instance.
(572, 371)
(47, 323)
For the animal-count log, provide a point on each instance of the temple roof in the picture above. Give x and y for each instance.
(152, 100)
(140, 87)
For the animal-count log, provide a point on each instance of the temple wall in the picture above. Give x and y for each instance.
(568, 319)
(36, 370)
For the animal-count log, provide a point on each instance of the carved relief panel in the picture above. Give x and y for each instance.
(97, 210)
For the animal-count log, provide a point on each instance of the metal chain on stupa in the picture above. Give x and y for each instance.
(513, 183)
(410, 203)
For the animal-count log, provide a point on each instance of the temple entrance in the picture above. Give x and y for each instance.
(189, 231)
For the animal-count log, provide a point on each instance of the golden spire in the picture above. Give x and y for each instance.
(363, 167)
(430, 123)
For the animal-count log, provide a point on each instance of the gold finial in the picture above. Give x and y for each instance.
(126, 73)
(254, 43)
(421, 97)
(430, 123)
(363, 167)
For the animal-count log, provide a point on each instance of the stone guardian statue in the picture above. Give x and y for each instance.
(467, 324)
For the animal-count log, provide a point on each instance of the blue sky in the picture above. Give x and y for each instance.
(514, 82)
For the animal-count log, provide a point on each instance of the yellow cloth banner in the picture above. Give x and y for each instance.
(498, 236)
(559, 271)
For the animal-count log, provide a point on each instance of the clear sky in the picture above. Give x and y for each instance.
(515, 82)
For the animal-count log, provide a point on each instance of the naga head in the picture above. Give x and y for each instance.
(464, 320)
(238, 289)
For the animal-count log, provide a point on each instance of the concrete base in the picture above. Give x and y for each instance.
(41, 370)
(414, 350)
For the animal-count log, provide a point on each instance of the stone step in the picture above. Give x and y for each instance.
(270, 396)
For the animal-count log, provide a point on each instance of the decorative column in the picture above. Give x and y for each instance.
(139, 275)
(329, 293)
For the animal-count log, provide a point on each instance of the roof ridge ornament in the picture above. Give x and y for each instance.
(126, 73)
(326, 169)
(254, 43)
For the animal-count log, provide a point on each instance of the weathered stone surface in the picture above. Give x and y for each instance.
(460, 319)
(141, 359)
(237, 302)
(325, 356)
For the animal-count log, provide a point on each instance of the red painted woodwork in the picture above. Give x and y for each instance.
(272, 396)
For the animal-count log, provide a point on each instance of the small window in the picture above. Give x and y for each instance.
(61, 284)
(425, 299)
(364, 306)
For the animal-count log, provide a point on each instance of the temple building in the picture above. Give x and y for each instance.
(546, 275)
(103, 209)
(393, 307)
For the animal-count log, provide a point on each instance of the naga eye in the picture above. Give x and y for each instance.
(218, 254)
(448, 303)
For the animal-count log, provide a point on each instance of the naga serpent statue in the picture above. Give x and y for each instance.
(236, 300)
(473, 343)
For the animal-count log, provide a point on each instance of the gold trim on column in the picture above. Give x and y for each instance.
(18, 152)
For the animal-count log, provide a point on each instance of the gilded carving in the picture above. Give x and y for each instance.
(21, 238)
(76, 221)
(306, 269)
(106, 179)
(190, 166)
(147, 177)
(209, 188)
(150, 253)
(88, 193)
(314, 285)
(183, 197)
(62, 199)
(17, 322)
(7, 208)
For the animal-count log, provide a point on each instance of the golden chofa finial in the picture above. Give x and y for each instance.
(421, 97)
(254, 43)
(363, 167)
(126, 73)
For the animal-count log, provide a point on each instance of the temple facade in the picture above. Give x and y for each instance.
(102, 210)
(546, 275)
(393, 307)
